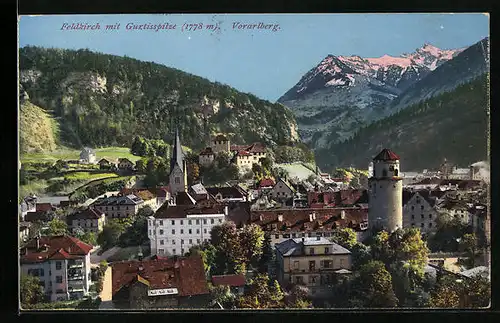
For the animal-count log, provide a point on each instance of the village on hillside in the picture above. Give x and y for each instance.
(269, 235)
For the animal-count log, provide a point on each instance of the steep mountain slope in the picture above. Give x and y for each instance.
(38, 130)
(107, 100)
(343, 93)
(452, 125)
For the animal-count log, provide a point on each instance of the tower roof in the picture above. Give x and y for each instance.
(386, 154)
(177, 153)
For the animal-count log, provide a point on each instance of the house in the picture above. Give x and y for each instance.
(125, 164)
(266, 184)
(87, 156)
(160, 283)
(282, 190)
(62, 263)
(420, 209)
(282, 224)
(105, 163)
(457, 209)
(198, 192)
(148, 197)
(447, 261)
(55, 201)
(174, 229)
(235, 282)
(88, 220)
(247, 155)
(118, 206)
(244, 161)
(27, 205)
(39, 216)
(312, 262)
(206, 157)
(24, 230)
(227, 194)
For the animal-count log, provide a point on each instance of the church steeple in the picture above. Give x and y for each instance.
(177, 157)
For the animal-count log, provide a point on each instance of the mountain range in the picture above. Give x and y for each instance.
(343, 94)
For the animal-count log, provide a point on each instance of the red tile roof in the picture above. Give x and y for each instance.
(89, 213)
(266, 182)
(257, 148)
(189, 276)
(44, 207)
(181, 211)
(243, 153)
(56, 247)
(229, 280)
(299, 219)
(386, 154)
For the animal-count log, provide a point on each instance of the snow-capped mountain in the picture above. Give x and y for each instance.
(359, 89)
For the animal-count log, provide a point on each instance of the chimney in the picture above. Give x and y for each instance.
(280, 217)
(310, 217)
(318, 238)
(342, 214)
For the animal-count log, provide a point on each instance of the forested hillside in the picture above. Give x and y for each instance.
(452, 125)
(104, 100)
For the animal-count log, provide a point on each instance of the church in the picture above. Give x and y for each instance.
(178, 168)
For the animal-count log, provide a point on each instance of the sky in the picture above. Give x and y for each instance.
(263, 62)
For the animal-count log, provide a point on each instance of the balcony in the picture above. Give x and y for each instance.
(75, 275)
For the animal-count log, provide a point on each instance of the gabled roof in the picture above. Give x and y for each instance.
(386, 155)
(89, 213)
(37, 216)
(184, 198)
(199, 189)
(229, 280)
(295, 247)
(225, 191)
(243, 153)
(287, 184)
(44, 207)
(125, 160)
(55, 247)
(187, 275)
(266, 182)
(130, 199)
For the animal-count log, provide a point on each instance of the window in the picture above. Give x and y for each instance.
(412, 208)
(430, 216)
(303, 235)
(430, 224)
(312, 265)
(161, 231)
(190, 231)
(58, 265)
(182, 251)
(413, 216)
(421, 207)
(182, 222)
(327, 250)
(59, 279)
(341, 263)
(182, 231)
(286, 236)
(197, 221)
(212, 221)
(326, 264)
(413, 224)
(161, 222)
(189, 222)
(295, 265)
(421, 225)
(198, 241)
(173, 222)
(161, 251)
(162, 242)
(311, 251)
(204, 230)
(220, 220)
(299, 279)
(294, 235)
(149, 232)
(177, 180)
(422, 216)
(173, 231)
(173, 251)
(204, 221)
(312, 279)
(197, 231)
(276, 236)
(190, 241)
(309, 234)
(173, 241)
(182, 241)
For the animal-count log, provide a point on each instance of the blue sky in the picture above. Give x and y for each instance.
(263, 62)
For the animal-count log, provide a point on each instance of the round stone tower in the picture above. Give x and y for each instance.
(385, 205)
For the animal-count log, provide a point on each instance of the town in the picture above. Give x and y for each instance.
(254, 233)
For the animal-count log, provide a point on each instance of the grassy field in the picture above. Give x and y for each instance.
(296, 170)
(89, 176)
(67, 153)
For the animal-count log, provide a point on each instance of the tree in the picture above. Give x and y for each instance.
(57, 227)
(360, 255)
(373, 286)
(267, 163)
(31, 291)
(468, 244)
(229, 252)
(298, 297)
(110, 234)
(261, 294)
(251, 239)
(346, 237)
(223, 295)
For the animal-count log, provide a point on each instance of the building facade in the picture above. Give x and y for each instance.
(62, 263)
(88, 220)
(386, 193)
(175, 229)
(118, 206)
(313, 262)
(87, 156)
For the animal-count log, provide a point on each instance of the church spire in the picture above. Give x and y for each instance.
(177, 157)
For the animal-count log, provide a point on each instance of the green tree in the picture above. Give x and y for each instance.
(468, 244)
(223, 295)
(57, 227)
(298, 297)
(360, 255)
(251, 239)
(31, 291)
(262, 294)
(373, 286)
(110, 234)
(346, 237)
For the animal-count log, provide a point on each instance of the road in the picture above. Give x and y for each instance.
(106, 293)
(95, 259)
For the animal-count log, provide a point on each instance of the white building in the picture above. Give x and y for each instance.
(62, 263)
(88, 156)
(175, 229)
(386, 193)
